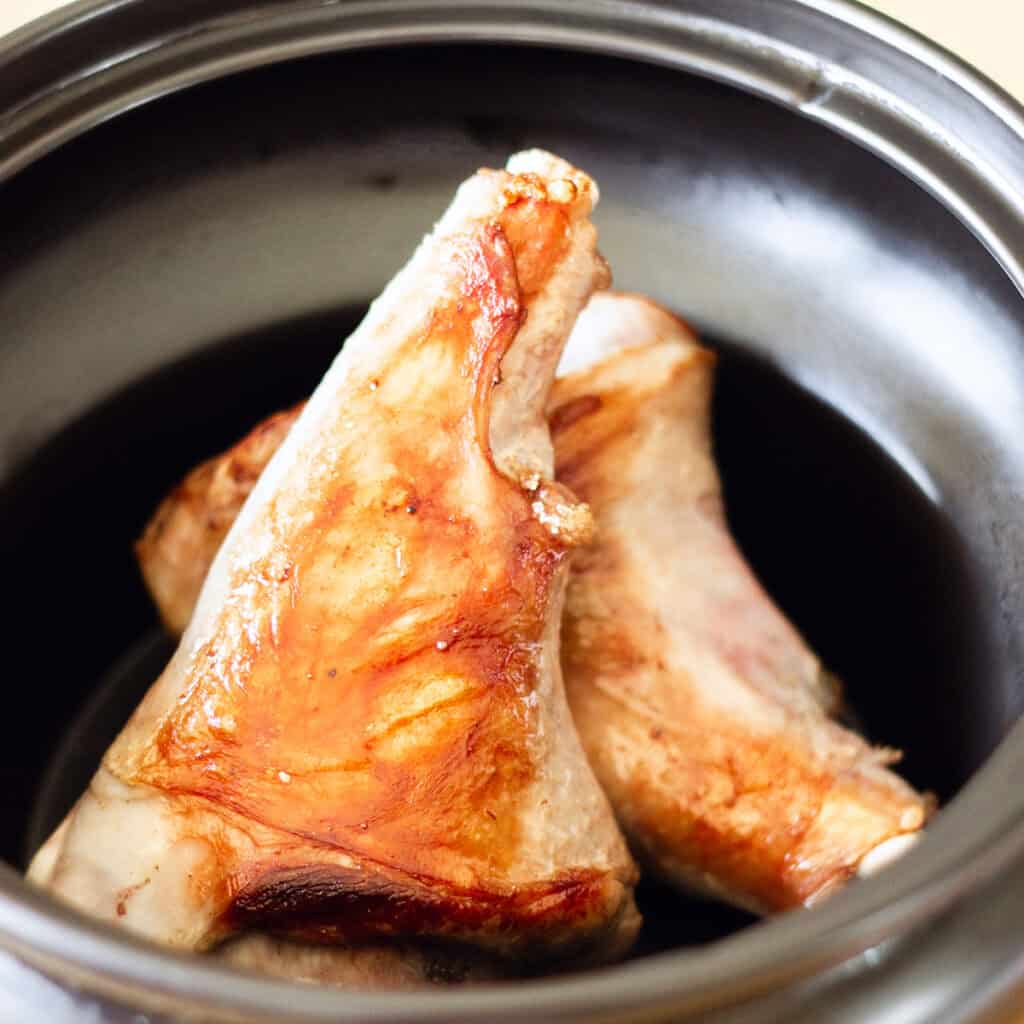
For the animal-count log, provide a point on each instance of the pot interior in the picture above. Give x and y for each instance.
(173, 276)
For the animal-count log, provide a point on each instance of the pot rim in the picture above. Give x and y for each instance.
(958, 134)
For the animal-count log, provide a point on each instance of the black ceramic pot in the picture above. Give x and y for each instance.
(197, 200)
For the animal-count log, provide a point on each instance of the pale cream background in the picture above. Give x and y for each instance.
(986, 32)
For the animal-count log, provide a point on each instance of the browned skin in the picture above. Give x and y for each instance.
(178, 545)
(358, 745)
(703, 712)
(422, 794)
(770, 804)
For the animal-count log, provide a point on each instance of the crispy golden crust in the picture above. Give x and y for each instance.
(750, 808)
(400, 747)
(363, 734)
(702, 711)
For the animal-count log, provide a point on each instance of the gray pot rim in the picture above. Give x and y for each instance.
(911, 102)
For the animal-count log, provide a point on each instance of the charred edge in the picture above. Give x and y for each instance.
(330, 905)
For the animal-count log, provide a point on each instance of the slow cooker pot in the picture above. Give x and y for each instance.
(199, 198)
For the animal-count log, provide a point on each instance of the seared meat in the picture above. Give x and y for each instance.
(703, 712)
(179, 544)
(363, 735)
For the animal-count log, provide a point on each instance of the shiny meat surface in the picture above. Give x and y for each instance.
(702, 710)
(363, 734)
(180, 542)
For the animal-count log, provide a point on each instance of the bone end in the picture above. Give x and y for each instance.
(886, 854)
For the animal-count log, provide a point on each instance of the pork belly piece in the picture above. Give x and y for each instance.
(362, 738)
(704, 714)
